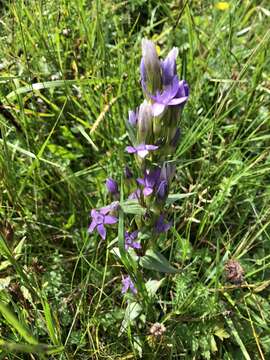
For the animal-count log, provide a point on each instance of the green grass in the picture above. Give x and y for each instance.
(64, 102)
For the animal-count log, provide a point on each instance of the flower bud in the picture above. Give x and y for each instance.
(145, 123)
(112, 186)
(150, 67)
(127, 172)
(133, 117)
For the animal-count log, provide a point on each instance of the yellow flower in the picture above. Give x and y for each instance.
(222, 5)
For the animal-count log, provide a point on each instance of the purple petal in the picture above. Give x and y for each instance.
(112, 207)
(178, 101)
(94, 213)
(169, 66)
(125, 283)
(131, 149)
(147, 191)
(134, 235)
(140, 147)
(110, 219)
(183, 89)
(132, 288)
(151, 147)
(136, 245)
(92, 226)
(102, 231)
(105, 210)
(141, 181)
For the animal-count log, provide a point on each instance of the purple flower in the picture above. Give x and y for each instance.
(161, 226)
(149, 181)
(130, 240)
(133, 117)
(128, 284)
(112, 186)
(176, 93)
(101, 218)
(141, 150)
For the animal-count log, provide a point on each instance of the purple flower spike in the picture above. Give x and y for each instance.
(176, 93)
(161, 226)
(141, 150)
(130, 240)
(149, 181)
(128, 284)
(99, 219)
(112, 186)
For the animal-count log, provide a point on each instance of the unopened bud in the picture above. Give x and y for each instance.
(150, 67)
(145, 123)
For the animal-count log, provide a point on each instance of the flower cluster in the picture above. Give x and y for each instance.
(154, 131)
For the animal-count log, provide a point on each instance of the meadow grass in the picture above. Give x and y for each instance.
(69, 73)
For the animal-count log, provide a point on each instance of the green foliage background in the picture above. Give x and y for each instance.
(69, 73)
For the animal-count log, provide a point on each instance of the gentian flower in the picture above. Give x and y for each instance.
(176, 93)
(128, 284)
(130, 240)
(141, 150)
(101, 218)
(161, 226)
(149, 181)
(112, 186)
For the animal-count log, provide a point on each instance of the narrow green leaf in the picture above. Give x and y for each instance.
(16, 324)
(153, 260)
(132, 207)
